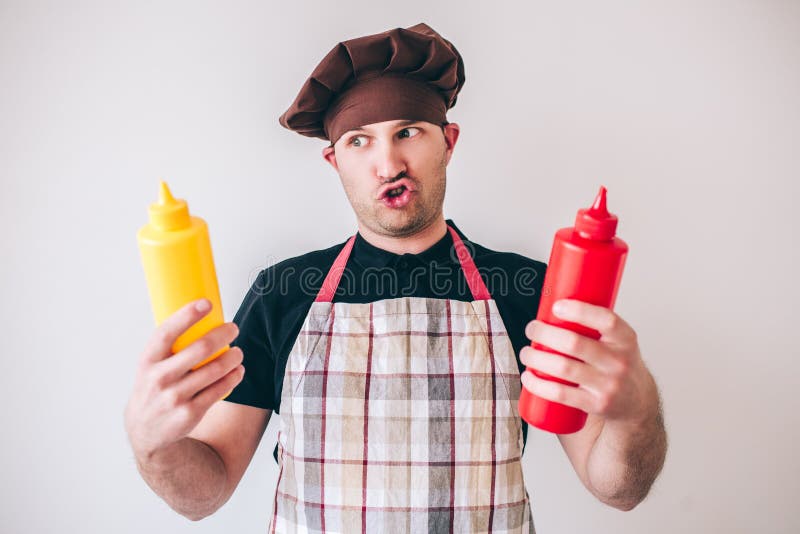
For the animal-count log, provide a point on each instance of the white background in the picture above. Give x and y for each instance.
(688, 112)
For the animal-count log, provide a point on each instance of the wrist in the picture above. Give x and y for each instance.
(643, 413)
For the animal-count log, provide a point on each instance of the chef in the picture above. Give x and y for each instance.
(395, 358)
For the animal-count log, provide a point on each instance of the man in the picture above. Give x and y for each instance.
(391, 357)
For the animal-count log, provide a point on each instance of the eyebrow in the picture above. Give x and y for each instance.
(406, 122)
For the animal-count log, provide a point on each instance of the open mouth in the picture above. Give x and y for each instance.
(393, 193)
(397, 194)
(398, 197)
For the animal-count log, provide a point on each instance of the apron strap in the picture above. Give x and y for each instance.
(474, 280)
(331, 282)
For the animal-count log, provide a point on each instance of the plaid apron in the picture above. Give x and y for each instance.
(401, 416)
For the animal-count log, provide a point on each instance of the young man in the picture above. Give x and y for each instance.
(391, 357)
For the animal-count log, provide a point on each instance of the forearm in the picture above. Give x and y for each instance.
(189, 475)
(627, 458)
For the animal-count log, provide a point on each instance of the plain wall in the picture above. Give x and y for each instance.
(687, 111)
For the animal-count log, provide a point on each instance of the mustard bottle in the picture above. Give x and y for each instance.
(179, 267)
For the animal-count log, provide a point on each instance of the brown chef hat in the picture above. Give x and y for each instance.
(411, 73)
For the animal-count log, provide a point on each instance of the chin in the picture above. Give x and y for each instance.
(402, 225)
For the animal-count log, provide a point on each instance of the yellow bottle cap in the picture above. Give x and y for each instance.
(169, 213)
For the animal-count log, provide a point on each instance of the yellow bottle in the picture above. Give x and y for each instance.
(179, 266)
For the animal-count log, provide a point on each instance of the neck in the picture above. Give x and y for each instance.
(410, 244)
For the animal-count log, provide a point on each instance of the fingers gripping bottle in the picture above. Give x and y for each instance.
(179, 267)
(586, 264)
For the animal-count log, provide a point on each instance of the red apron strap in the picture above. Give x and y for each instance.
(331, 282)
(474, 280)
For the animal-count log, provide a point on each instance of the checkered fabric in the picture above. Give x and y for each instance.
(400, 416)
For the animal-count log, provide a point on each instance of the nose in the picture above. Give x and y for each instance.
(390, 162)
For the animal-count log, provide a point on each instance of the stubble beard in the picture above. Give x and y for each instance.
(422, 211)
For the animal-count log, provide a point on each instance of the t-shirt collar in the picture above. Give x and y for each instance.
(368, 255)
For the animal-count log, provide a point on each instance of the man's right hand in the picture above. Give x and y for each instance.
(168, 398)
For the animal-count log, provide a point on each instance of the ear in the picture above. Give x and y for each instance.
(330, 156)
(450, 131)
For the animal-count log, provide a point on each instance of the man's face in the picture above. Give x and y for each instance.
(411, 155)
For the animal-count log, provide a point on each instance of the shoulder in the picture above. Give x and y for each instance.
(322, 258)
(490, 257)
(510, 276)
(295, 280)
(489, 260)
(513, 279)
(486, 257)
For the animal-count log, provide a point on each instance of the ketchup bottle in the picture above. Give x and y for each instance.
(586, 264)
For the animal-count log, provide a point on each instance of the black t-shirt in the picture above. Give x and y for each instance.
(277, 303)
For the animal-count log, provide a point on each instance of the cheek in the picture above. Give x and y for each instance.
(353, 169)
(432, 155)
(355, 185)
(430, 168)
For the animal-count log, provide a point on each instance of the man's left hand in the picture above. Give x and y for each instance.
(613, 380)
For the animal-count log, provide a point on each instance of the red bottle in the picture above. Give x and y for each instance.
(586, 264)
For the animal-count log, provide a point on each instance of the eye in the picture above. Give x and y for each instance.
(357, 140)
(408, 132)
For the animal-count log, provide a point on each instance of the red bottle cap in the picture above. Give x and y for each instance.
(596, 222)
